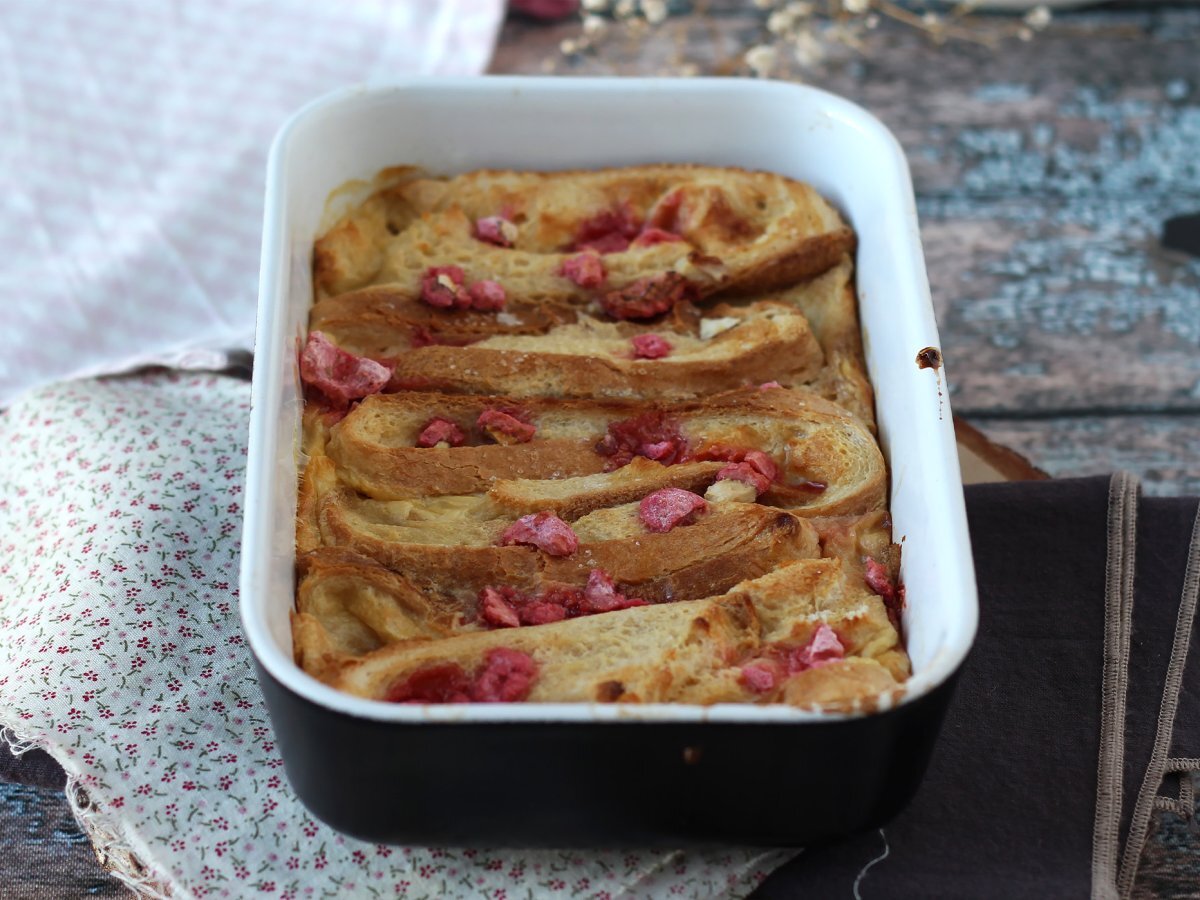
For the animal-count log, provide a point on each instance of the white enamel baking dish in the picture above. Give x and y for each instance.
(451, 126)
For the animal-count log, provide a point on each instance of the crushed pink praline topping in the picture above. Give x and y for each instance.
(759, 676)
(339, 375)
(648, 297)
(584, 269)
(651, 236)
(496, 610)
(609, 231)
(780, 661)
(650, 346)
(506, 676)
(444, 287)
(652, 434)
(543, 530)
(439, 430)
(487, 296)
(600, 595)
(495, 230)
(754, 467)
(505, 428)
(506, 607)
(664, 509)
(445, 682)
(542, 612)
(762, 463)
(747, 474)
(823, 648)
(879, 579)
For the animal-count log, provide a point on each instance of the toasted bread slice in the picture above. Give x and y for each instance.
(387, 324)
(831, 309)
(451, 543)
(366, 591)
(749, 231)
(570, 498)
(539, 352)
(688, 652)
(375, 446)
(365, 605)
(592, 358)
(829, 463)
(385, 321)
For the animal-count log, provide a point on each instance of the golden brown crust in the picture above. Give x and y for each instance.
(766, 230)
(691, 651)
(376, 605)
(570, 498)
(829, 305)
(398, 544)
(731, 542)
(594, 359)
(812, 440)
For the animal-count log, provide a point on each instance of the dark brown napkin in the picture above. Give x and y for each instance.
(1008, 806)
(35, 767)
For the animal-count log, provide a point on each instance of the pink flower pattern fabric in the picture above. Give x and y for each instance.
(121, 654)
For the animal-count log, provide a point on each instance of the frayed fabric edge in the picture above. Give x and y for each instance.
(116, 852)
(741, 882)
(17, 745)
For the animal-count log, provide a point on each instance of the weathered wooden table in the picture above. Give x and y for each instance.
(1044, 172)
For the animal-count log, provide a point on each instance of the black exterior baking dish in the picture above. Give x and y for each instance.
(609, 774)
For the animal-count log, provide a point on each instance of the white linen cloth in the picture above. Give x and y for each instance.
(133, 157)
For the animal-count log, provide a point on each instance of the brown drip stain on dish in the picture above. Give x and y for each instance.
(609, 691)
(931, 358)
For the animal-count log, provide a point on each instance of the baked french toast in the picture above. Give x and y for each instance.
(721, 229)
(593, 437)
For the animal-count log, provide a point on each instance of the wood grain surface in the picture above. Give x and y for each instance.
(1044, 171)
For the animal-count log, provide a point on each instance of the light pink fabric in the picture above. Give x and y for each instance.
(134, 155)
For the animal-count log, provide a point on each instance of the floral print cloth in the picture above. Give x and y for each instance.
(121, 654)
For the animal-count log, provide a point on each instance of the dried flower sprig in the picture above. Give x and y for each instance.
(805, 30)
(809, 28)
